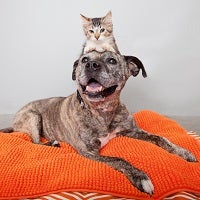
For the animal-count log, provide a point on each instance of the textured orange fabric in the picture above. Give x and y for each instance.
(31, 170)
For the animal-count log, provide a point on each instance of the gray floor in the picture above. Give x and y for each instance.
(5, 121)
(189, 123)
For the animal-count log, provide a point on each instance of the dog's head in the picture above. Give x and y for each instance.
(103, 75)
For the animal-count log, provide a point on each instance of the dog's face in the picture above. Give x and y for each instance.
(103, 75)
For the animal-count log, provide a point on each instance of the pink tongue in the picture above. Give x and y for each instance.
(94, 87)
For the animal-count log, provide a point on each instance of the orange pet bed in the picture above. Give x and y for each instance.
(29, 170)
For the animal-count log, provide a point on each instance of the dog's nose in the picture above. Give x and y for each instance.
(93, 65)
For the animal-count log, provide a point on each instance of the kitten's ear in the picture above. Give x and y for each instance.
(74, 70)
(107, 18)
(85, 20)
(134, 64)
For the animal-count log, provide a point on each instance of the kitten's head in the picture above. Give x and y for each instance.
(98, 28)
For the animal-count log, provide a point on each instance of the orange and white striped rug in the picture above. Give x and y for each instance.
(98, 196)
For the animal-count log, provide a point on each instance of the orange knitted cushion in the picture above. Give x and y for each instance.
(31, 170)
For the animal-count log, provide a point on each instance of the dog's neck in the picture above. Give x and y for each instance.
(105, 109)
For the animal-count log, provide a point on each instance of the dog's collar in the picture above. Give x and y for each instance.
(80, 99)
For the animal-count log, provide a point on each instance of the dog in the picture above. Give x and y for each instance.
(93, 115)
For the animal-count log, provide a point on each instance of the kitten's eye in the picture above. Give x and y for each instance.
(102, 30)
(85, 59)
(112, 61)
(91, 31)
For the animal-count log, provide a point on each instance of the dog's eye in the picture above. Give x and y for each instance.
(112, 61)
(85, 59)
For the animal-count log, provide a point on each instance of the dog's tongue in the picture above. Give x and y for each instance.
(94, 87)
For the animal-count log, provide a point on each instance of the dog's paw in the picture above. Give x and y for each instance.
(53, 143)
(186, 155)
(142, 182)
(147, 187)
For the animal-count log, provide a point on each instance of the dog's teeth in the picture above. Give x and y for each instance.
(100, 89)
(95, 88)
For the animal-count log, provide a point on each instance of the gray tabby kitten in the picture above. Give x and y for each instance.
(99, 34)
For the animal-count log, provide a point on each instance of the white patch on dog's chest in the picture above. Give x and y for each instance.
(110, 136)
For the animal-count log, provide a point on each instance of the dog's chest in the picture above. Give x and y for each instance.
(105, 139)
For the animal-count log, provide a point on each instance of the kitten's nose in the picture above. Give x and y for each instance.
(97, 35)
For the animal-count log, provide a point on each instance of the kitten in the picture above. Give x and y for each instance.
(99, 34)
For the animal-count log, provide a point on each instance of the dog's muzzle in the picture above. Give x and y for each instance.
(94, 89)
(93, 66)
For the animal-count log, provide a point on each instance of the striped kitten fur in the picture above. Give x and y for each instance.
(99, 34)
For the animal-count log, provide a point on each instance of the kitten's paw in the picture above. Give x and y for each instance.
(100, 49)
(186, 155)
(88, 49)
(109, 48)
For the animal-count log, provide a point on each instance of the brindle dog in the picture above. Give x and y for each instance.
(93, 115)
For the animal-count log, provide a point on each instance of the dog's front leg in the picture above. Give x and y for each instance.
(137, 177)
(161, 142)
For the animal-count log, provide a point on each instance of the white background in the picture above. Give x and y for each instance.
(40, 40)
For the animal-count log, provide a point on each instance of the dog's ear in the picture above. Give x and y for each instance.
(135, 65)
(74, 70)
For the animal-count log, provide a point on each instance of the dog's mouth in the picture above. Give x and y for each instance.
(94, 90)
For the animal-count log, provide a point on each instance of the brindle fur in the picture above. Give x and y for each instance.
(87, 124)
